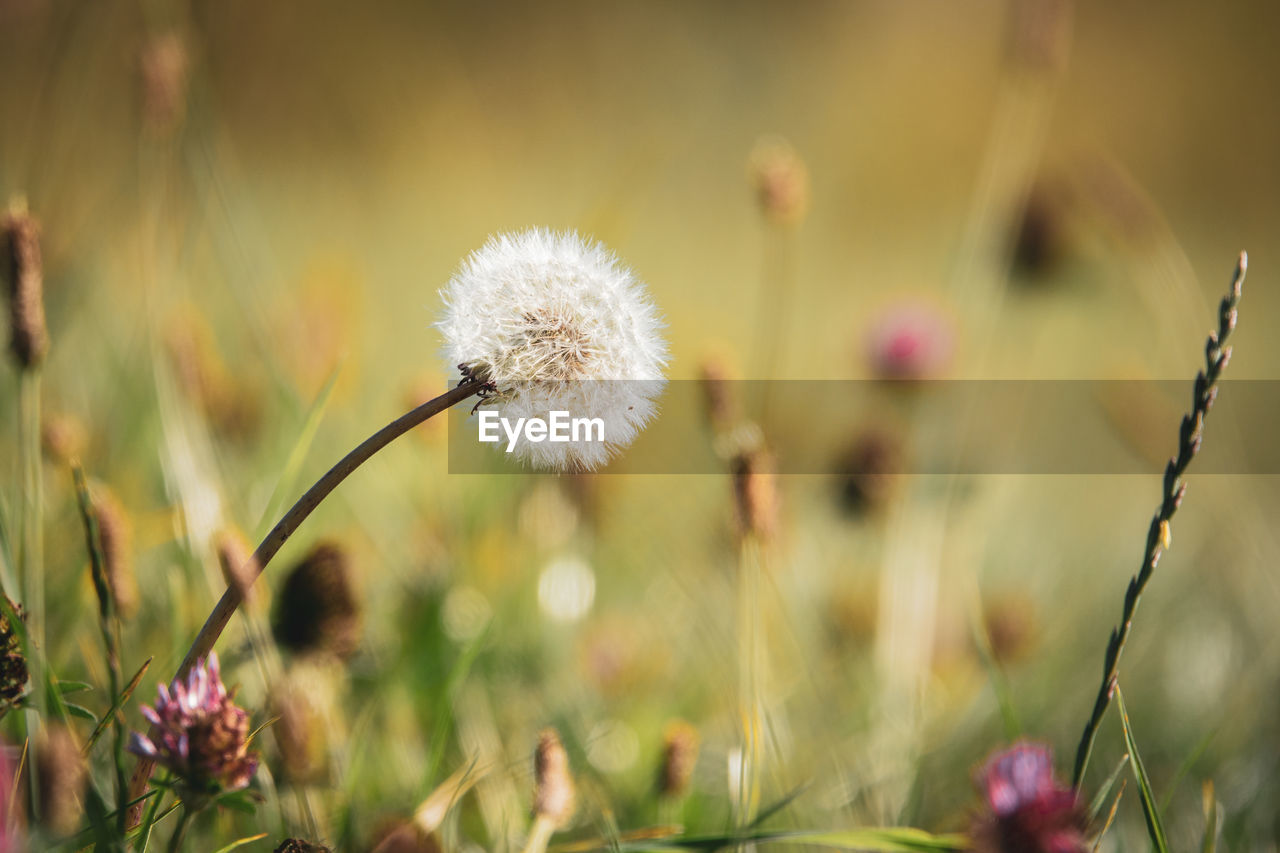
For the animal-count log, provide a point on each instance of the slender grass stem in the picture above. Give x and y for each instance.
(109, 626)
(750, 664)
(539, 835)
(232, 598)
(1216, 355)
(777, 291)
(180, 831)
(31, 551)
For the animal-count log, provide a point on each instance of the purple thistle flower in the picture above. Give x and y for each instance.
(1027, 809)
(199, 733)
(910, 341)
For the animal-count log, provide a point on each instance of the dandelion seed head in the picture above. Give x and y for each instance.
(556, 323)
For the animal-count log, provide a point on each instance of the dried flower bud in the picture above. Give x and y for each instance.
(1040, 34)
(722, 409)
(63, 438)
(867, 471)
(115, 531)
(553, 796)
(1040, 242)
(1010, 621)
(25, 273)
(13, 665)
(297, 737)
(297, 845)
(780, 180)
(235, 558)
(755, 493)
(316, 611)
(231, 402)
(165, 67)
(1027, 809)
(62, 773)
(199, 733)
(679, 755)
(408, 838)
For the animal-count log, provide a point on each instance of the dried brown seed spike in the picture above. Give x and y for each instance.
(23, 268)
(61, 773)
(115, 532)
(780, 179)
(553, 796)
(755, 493)
(680, 745)
(317, 611)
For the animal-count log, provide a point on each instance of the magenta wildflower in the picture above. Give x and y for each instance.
(11, 806)
(910, 342)
(199, 733)
(1027, 809)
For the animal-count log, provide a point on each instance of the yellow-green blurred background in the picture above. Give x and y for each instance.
(239, 199)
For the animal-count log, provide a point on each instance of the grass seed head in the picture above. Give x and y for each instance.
(680, 744)
(13, 664)
(755, 492)
(780, 179)
(115, 530)
(61, 772)
(553, 796)
(24, 271)
(317, 611)
(298, 845)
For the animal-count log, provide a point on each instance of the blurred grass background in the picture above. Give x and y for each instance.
(241, 201)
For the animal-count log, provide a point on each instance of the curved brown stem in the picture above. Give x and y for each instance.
(280, 534)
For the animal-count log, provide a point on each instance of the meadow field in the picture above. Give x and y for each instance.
(929, 285)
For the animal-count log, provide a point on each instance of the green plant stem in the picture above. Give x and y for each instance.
(109, 626)
(539, 835)
(175, 840)
(777, 286)
(31, 553)
(750, 663)
(232, 598)
(1217, 354)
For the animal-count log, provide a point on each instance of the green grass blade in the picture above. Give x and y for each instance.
(297, 455)
(875, 840)
(773, 808)
(1211, 817)
(241, 842)
(1100, 798)
(1155, 828)
(444, 709)
(1111, 817)
(995, 672)
(1185, 768)
(116, 706)
(888, 840)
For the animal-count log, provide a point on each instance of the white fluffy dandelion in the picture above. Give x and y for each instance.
(555, 323)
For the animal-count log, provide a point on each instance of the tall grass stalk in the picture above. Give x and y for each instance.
(31, 555)
(109, 627)
(751, 664)
(777, 295)
(1216, 355)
